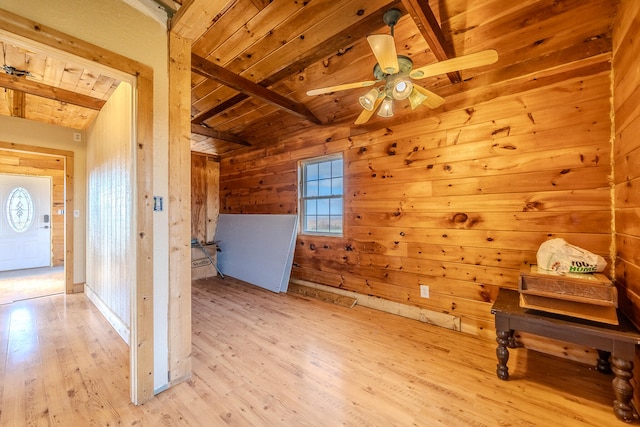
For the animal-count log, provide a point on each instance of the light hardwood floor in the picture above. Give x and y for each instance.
(262, 359)
(31, 283)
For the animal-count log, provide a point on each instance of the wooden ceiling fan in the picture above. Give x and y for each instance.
(394, 74)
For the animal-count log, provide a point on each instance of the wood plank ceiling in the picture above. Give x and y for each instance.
(254, 61)
(289, 47)
(39, 85)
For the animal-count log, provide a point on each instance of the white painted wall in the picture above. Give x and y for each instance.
(114, 25)
(111, 266)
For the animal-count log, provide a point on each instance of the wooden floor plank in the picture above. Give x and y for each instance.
(261, 358)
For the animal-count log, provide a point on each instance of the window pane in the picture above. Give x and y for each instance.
(310, 207)
(20, 210)
(336, 223)
(310, 223)
(312, 189)
(324, 187)
(312, 172)
(336, 206)
(336, 168)
(323, 207)
(324, 170)
(323, 224)
(336, 186)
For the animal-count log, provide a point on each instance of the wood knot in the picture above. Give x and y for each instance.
(533, 206)
(485, 296)
(460, 218)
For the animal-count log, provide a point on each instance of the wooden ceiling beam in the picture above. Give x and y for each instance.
(329, 46)
(229, 103)
(260, 4)
(17, 104)
(210, 70)
(335, 44)
(212, 133)
(423, 16)
(21, 84)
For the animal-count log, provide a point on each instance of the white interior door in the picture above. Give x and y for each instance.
(25, 225)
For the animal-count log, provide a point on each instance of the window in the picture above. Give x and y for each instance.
(19, 210)
(321, 195)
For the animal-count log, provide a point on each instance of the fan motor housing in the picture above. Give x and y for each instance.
(404, 63)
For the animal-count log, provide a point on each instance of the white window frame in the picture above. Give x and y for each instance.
(302, 198)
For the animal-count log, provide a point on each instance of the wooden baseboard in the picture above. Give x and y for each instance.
(177, 380)
(78, 288)
(118, 324)
(423, 315)
(331, 297)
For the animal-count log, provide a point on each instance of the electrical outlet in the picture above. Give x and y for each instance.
(424, 291)
(77, 136)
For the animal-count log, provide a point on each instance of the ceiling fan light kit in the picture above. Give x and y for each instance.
(416, 98)
(395, 72)
(401, 88)
(368, 100)
(386, 109)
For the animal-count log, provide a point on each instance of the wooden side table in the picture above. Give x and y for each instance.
(616, 341)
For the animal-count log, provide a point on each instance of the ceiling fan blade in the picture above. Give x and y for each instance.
(477, 59)
(340, 87)
(366, 114)
(384, 49)
(432, 100)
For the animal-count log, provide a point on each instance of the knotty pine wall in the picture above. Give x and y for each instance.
(205, 204)
(34, 164)
(110, 249)
(457, 200)
(626, 157)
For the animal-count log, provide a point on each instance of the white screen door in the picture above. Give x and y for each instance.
(25, 227)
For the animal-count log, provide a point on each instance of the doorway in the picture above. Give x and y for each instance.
(27, 255)
(142, 292)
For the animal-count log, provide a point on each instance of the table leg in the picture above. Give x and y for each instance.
(622, 388)
(603, 366)
(504, 338)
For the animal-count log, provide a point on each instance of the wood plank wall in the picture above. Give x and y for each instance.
(22, 163)
(110, 233)
(459, 199)
(626, 157)
(205, 204)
